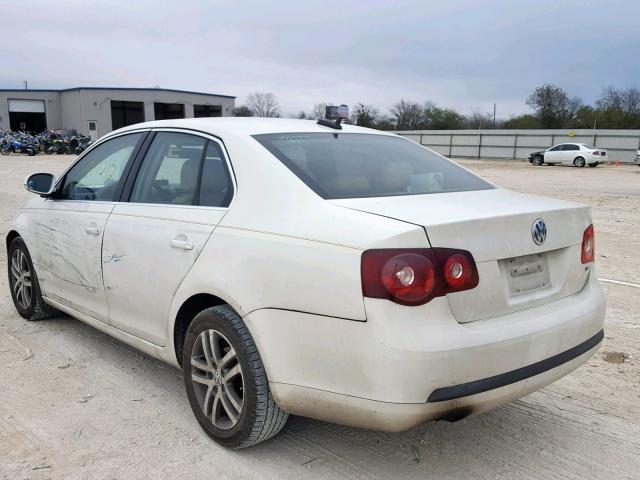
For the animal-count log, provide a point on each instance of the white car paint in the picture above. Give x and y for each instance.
(288, 262)
(568, 153)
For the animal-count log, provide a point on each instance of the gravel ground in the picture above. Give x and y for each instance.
(76, 404)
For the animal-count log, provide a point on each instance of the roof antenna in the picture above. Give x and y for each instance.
(330, 124)
(334, 112)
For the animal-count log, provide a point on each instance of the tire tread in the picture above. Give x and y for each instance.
(268, 418)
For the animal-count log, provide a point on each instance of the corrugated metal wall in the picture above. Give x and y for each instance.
(51, 105)
(621, 145)
(74, 108)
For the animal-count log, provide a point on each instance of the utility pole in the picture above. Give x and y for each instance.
(594, 132)
(26, 85)
(494, 115)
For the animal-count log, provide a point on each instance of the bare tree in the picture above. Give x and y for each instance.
(478, 119)
(632, 101)
(317, 112)
(263, 104)
(611, 98)
(408, 115)
(551, 105)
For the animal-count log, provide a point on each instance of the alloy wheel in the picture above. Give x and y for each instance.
(21, 279)
(218, 382)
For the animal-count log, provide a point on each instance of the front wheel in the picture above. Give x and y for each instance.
(23, 282)
(538, 160)
(579, 162)
(226, 381)
(5, 151)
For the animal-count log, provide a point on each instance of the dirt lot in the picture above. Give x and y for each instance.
(76, 404)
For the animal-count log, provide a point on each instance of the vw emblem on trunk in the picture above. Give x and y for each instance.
(539, 231)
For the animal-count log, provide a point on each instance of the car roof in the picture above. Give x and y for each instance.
(246, 126)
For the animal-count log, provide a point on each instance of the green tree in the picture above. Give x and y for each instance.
(242, 111)
(365, 115)
(522, 121)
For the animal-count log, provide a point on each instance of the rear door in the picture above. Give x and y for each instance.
(178, 193)
(70, 227)
(569, 152)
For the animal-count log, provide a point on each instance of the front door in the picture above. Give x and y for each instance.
(553, 155)
(178, 196)
(70, 227)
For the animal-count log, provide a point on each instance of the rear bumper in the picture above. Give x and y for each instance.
(407, 365)
(503, 379)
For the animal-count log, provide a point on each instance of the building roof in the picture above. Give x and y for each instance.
(113, 88)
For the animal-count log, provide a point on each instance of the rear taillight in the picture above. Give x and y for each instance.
(595, 152)
(415, 276)
(588, 245)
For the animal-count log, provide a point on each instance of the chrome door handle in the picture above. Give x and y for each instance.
(181, 244)
(92, 230)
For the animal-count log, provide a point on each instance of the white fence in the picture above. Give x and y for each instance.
(621, 145)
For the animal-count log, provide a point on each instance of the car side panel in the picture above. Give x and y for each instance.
(254, 270)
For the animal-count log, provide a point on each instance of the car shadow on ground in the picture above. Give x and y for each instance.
(447, 449)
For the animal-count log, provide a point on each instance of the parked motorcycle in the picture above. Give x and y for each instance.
(16, 146)
(59, 146)
(83, 144)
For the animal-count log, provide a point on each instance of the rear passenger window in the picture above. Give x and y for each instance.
(216, 188)
(170, 169)
(569, 146)
(183, 169)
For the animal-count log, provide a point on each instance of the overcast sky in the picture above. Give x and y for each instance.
(464, 54)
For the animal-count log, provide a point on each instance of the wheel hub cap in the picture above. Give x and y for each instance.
(217, 379)
(21, 279)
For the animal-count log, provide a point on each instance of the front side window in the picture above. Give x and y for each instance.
(352, 165)
(556, 148)
(97, 175)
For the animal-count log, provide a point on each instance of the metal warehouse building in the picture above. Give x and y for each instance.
(95, 111)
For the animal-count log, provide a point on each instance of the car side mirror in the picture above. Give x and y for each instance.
(40, 183)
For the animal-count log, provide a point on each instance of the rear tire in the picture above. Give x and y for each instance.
(226, 381)
(24, 285)
(579, 162)
(538, 160)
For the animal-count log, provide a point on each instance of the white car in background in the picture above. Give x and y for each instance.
(576, 154)
(339, 273)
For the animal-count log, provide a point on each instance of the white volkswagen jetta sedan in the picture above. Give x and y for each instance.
(338, 273)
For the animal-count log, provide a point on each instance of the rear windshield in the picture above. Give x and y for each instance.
(356, 165)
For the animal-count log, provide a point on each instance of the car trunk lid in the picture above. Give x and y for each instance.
(496, 227)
